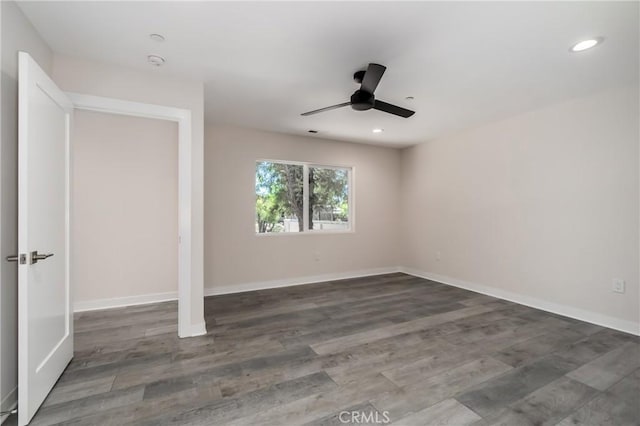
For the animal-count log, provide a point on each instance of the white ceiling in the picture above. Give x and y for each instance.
(264, 63)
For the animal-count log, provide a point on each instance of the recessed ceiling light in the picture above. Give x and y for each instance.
(156, 60)
(156, 37)
(378, 130)
(586, 44)
(409, 98)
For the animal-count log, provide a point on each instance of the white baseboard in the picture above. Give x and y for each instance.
(288, 282)
(199, 329)
(119, 302)
(196, 330)
(545, 305)
(144, 299)
(9, 403)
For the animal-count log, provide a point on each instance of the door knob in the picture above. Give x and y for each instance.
(22, 259)
(35, 257)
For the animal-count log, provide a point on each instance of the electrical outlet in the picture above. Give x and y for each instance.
(438, 255)
(618, 286)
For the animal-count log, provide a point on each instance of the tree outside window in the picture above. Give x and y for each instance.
(282, 198)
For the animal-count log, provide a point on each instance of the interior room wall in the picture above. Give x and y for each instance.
(125, 208)
(238, 259)
(17, 34)
(541, 208)
(94, 78)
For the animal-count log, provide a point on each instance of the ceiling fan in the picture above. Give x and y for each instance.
(363, 98)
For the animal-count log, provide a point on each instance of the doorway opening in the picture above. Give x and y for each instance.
(183, 119)
(125, 211)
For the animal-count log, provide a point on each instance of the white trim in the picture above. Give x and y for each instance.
(124, 107)
(309, 232)
(545, 305)
(198, 329)
(308, 163)
(185, 176)
(9, 403)
(119, 302)
(289, 282)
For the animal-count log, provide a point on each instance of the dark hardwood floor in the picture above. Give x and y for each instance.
(391, 347)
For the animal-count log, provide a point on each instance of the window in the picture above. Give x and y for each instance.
(301, 197)
(328, 198)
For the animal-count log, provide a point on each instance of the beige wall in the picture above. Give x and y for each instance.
(93, 78)
(16, 34)
(234, 255)
(543, 205)
(125, 206)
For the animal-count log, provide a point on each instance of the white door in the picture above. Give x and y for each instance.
(45, 320)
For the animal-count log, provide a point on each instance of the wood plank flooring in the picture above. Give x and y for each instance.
(393, 347)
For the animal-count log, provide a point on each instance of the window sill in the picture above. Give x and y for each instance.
(281, 234)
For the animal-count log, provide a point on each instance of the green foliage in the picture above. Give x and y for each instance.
(329, 194)
(268, 213)
(343, 212)
(279, 194)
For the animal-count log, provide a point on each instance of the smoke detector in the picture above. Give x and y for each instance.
(156, 60)
(157, 37)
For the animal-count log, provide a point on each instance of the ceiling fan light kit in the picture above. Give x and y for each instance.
(364, 99)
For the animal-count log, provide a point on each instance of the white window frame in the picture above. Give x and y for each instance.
(305, 199)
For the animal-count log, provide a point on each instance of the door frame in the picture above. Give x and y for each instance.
(185, 206)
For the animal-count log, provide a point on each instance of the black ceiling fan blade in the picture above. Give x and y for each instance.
(392, 109)
(329, 108)
(372, 77)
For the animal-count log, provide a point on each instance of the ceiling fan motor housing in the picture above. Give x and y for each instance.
(361, 100)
